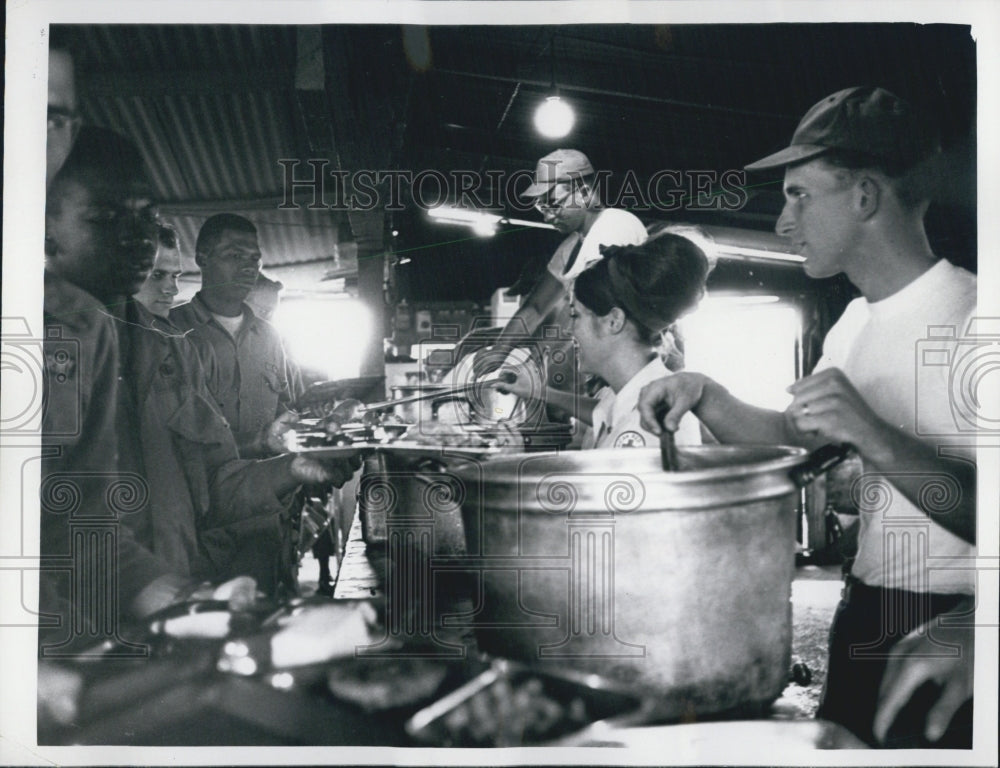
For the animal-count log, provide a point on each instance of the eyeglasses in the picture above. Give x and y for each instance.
(60, 119)
(548, 203)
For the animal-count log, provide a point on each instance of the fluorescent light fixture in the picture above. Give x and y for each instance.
(717, 300)
(739, 252)
(749, 245)
(448, 215)
(481, 222)
(554, 118)
(484, 228)
(484, 224)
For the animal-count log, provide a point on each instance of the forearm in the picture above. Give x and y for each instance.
(733, 421)
(276, 474)
(571, 404)
(544, 297)
(562, 402)
(942, 487)
(243, 489)
(828, 405)
(522, 323)
(253, 446)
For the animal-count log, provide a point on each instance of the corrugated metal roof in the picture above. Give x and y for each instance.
(205, 146)
(286, 237)
(215, 47)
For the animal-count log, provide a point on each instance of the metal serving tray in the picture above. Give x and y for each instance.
(512, 704)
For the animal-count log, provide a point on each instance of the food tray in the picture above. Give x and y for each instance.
(335, 451)
(414, 450)
(410, 450)
(511, 705)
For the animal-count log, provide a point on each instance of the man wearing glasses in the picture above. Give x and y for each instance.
(566, 196)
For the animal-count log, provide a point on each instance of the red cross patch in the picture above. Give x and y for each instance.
(630, 439)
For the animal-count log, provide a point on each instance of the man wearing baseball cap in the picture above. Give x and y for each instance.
(856, 191)
(565, 194)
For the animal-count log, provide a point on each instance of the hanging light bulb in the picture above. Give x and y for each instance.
(554, 118)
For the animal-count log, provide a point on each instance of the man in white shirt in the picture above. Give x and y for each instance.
(565, 193)
(855, 198)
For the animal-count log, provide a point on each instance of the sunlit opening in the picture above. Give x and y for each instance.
(749, 345)
(325, 335)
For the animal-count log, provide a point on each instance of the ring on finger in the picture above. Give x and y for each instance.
(805, 409)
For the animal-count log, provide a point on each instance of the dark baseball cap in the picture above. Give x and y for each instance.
(867, 120)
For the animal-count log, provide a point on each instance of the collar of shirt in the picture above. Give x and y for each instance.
(627, 398)
(572, 244)
(600, 416)
(913, 293)
(204, 315)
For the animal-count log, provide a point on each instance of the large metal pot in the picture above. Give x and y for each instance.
(677, 583)
(409, 500)
(415, 494)
(410, 508)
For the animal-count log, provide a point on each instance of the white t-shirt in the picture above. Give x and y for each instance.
(896, 353)
(616, 416)
(611, 227)
(231, 324)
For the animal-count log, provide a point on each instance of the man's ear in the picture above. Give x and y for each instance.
(868, 196)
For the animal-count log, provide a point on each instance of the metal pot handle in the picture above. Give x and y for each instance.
(819, 461)
(428, 466)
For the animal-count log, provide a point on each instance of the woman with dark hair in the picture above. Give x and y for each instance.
(620, 307)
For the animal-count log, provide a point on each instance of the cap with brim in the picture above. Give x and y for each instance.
(865, 120)
(537, 190)
(788, 156)
(563, 165)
